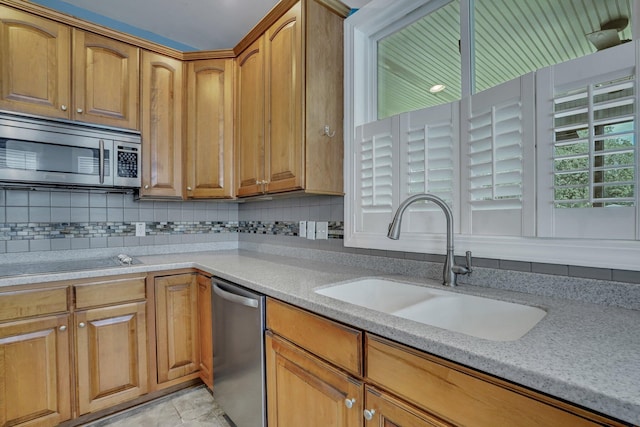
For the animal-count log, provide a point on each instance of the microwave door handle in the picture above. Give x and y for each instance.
(101, 162)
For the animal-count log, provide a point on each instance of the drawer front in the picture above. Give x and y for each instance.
(332, 341)
(21, 304)
(107, 292)
(463, 396)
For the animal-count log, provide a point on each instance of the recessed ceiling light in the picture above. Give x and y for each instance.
(437, 88)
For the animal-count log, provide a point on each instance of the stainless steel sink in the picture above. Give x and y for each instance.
(476, 316)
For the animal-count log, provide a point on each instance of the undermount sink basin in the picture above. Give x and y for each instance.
(476, 316)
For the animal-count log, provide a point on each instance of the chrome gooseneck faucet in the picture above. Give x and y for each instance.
(451, 270)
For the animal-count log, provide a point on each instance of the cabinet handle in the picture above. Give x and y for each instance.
(327, 131)
(146, 187)
(349, 403)
(188, 188)
(368, 414)
(63, 107)
(82, 325)
(62, 328)
(79, 110)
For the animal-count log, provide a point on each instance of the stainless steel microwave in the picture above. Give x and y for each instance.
(43, 152)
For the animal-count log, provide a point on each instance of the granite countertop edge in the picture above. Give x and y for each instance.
(567, 355)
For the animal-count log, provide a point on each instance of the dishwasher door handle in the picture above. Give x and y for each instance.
(238, 299)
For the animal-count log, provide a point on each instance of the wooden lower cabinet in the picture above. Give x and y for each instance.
(397, 386)
(206, 332)
(463, 396)
(382, 409)
(111, 355)
(176, 322)
(303, 390)
(35, 366)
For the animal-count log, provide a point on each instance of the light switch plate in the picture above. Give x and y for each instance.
(141, 229)
(302, 229)
(322, 230)
(311, 230)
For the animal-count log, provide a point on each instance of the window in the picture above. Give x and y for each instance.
(515, 37)
(412, 63)
(542, 167)
(423, 63)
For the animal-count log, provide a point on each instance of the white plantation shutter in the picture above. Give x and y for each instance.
(498, 160)
(587, 147)
(429, 162)
(375, 163)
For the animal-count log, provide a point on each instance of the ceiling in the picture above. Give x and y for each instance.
(512, 38)
(185, 25)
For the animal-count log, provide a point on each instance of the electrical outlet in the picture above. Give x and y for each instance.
(311, 230)
(322, 230)
(302, 229)
(141, 229)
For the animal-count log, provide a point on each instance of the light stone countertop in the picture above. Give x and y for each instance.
(584, 353)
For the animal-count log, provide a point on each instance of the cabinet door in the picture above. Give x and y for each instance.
(284, 142)
(382, 409)
(250, 120)
(34, 372)
(105, 81)
(302, 390)
(210, 129)
(177, 344)
(161, 126)
(35, 64)
(111, 355)
(206, 334)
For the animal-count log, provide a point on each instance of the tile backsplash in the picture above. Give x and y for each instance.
(45, 220)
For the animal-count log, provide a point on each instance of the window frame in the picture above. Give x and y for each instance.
(362, 30)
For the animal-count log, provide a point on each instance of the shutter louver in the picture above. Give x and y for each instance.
(430, 161)
(377, 172)
(496, 157)
(594, 152)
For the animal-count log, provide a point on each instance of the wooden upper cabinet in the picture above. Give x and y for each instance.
(323, 99)
(105, 80)
(161, 126)
(297, 80)
(284, 74)
(250, 119)
(210, 129)
(35, 64)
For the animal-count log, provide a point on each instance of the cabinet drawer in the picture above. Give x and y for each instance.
(463, 396)
(20, 304)
(334, 342)
(111, 291)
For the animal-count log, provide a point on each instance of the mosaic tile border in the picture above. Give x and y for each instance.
(71, 230)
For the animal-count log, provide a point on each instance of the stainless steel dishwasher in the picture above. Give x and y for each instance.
(238, 353)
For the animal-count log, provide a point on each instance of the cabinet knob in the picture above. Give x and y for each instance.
(81, 325)
(188, 188)
(63, 107)
(146, 187)
(62, 328)
(349, 403)
(368, 414)
(79, 110)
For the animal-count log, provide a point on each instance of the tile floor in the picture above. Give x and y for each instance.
(193, 407)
